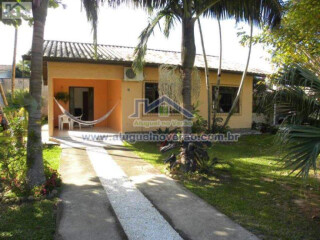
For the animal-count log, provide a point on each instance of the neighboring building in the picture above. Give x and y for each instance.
(95, 85)
(5, 71)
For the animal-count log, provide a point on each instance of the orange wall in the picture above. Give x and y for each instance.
(113, 98)
(102, 96)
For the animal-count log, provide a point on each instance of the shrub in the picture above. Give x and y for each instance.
(198, 159)
(13, 165)
(200, 125)
(53, 181)
(167, 131)
(217, 126)
(265, 128)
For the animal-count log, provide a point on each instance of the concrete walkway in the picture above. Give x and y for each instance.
(189, 215)
(85, 212)
(148, 204)
(138, 217)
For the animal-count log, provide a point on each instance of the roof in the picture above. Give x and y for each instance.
(84, 52)
(5, 71)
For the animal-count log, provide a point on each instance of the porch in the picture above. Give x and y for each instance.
(88, 99)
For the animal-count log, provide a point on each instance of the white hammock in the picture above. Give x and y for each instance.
(75, 119)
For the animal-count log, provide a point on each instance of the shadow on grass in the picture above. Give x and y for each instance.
(259, 193)
(27, 221)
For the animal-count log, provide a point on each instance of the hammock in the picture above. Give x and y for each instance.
(75, 119)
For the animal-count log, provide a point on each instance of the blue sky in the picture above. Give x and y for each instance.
(122, 26)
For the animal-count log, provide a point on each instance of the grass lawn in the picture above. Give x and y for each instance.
(35, 220)
(252, 189)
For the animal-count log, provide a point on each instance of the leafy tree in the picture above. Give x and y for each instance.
(23, 69)
(298, 36)
(295, 49)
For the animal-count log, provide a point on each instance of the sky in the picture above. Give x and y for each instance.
(122, 26)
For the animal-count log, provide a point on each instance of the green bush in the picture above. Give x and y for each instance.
(217, 126)
(200, 125)
(13, 165)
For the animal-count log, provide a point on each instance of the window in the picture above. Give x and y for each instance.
(226, 98)
(151, 92)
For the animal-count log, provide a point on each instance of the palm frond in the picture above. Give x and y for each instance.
(267, 12)
(155, 4)
(296, 96)
(170, 20)
(298, 91)
(141, 49)
(298, 76)
(303, 146)
(92, 10)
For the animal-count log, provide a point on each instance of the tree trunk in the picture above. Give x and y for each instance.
(188, 54)
(242, 79)
(206, 70)
(3, 95)
(35, 173)
(216, 89)
(13, 77)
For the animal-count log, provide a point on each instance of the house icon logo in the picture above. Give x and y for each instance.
(163, 101)
(16, 10)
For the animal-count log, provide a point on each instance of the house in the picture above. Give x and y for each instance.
(97, 83)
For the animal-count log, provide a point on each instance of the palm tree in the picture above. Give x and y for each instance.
(13, 76)
(297, 97)
(187, 12)
(35, 172)
(235, 101)
(206, 70)
(217, 87)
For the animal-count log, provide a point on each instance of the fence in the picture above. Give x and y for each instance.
(23, 84)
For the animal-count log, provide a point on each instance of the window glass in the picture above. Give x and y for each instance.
(151, 92)
(226, 98)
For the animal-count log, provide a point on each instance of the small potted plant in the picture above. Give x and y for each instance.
(62, 96)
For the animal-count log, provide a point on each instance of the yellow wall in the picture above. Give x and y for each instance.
(131, 90)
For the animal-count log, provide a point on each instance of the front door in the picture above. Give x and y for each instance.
(81, 102)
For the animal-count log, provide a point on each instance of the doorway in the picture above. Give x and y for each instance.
(81, 102)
